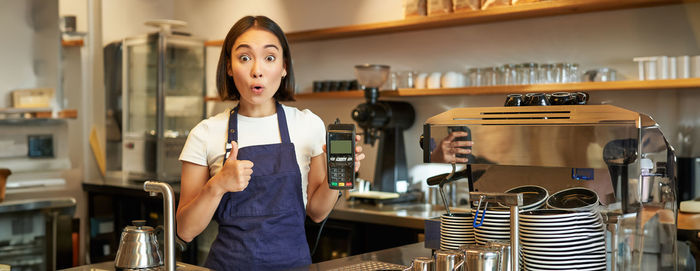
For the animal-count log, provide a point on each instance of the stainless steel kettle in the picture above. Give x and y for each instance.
(138, 247)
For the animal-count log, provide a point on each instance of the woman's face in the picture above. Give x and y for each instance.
(257, 66)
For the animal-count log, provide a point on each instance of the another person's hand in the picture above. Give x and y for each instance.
(358, 152)
(235, 174)
(447, 150)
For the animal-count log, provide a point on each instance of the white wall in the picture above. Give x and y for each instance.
(29, 50)
(213, 18)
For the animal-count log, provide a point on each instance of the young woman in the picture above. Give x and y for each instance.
(259, 168)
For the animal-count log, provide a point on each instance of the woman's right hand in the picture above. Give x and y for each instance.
(235, 174)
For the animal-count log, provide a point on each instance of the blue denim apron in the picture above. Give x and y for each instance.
(262, 227)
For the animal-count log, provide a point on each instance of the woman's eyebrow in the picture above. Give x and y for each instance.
(248, 46)
(272, 46)
(242, 46)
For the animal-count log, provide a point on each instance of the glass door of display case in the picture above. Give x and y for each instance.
(182, 104)
(164, 98)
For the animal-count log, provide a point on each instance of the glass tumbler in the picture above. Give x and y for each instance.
(476, 77)
(407, 79)
(561, 73)
(527, 73)
(546, 74)
(491, 75)
(391, 83)
(509, 74)
(574, 75)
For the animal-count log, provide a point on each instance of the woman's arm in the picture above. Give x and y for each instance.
(321, 198)
(200, 195)
(198, 201)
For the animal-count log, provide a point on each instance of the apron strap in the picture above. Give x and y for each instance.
(233, 125)
(282, 123)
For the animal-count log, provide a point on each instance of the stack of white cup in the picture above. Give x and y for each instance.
(665, 67)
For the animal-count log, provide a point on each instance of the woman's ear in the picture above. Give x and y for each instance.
(284, 69)
(229, 71)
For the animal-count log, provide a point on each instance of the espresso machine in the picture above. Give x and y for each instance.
(620, 154)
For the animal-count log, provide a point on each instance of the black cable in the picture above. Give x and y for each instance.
(318, 236)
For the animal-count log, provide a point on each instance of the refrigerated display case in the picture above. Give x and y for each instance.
(163, 81)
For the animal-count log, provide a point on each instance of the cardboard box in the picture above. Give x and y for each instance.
(32, 98)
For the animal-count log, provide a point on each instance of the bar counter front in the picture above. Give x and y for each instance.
(393, 258)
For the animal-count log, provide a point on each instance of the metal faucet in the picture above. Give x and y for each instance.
(155, 187)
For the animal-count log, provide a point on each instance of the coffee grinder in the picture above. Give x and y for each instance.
(385, 121)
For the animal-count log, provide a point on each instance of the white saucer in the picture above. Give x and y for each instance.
(554, 251)
(580, 257)
(591, 227)
(594, 266)
(557, 219)
(546, 243)
(554, 261)
(567, 231)
(574, 235)
(575, 222)
(498, 236)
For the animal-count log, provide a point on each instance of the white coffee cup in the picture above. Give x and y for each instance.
(452, 80)
(695, 66)
(420, 80)
(672, 72)
(433, 80)
(683, 67)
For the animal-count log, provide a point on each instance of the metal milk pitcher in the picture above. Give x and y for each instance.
(449, 260)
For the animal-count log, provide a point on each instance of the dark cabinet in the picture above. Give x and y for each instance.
(341, 238)
(111, 208)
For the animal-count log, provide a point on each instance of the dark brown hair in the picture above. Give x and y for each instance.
(224, 82)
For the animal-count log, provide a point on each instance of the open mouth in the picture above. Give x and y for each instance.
(257, 89)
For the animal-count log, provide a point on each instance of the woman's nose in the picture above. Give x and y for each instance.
(255, 71)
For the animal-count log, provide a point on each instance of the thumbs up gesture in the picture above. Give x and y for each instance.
(235, 174)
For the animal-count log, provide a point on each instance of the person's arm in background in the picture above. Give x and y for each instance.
(321, 197)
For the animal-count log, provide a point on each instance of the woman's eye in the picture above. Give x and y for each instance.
(270, 58)
(244, 58)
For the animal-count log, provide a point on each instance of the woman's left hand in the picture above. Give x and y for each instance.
(358, 152)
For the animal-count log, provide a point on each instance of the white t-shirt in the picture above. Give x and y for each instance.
(206, 142)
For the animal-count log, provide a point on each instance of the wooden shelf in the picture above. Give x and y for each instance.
(499, 90)
(20, 114)
(72, 43)
(518, 11)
